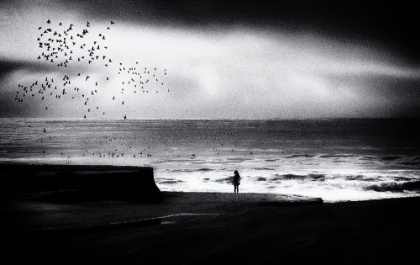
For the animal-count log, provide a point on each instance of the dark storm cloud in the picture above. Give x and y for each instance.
(9, 66)
(392, 96)
(392, 23)
(8, 106)
(11, 108)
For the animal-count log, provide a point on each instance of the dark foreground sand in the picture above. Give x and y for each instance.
(115, 215)
(206, 228)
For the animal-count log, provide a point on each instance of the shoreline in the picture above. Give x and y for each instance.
(206, 228)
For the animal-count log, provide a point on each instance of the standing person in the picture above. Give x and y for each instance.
(236, 181)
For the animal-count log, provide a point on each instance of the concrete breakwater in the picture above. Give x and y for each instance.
(91, 179)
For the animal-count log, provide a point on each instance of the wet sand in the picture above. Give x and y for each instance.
(206, 228)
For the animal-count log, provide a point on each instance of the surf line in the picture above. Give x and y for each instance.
(189, 214)
(120, 225)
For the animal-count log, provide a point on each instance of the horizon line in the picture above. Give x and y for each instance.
(212, 119)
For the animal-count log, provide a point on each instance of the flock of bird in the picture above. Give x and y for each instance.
(66, 47)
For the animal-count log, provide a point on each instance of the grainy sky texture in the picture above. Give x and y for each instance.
(224, 59)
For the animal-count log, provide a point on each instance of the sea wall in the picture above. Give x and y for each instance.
(101, 180)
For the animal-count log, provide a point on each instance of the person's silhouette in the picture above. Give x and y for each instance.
(236, 181)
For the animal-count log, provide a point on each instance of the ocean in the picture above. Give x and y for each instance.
(335, 159)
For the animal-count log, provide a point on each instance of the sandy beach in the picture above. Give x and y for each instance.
(205, 228)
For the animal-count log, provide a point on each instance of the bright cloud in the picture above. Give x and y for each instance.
(231, 73)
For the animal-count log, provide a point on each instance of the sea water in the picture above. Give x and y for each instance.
(335, 159)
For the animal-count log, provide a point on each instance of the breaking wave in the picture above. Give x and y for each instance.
(395, 187)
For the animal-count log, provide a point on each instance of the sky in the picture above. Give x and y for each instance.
(224, 59)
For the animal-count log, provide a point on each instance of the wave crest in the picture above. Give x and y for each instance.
(395, 187)
(310, 177)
